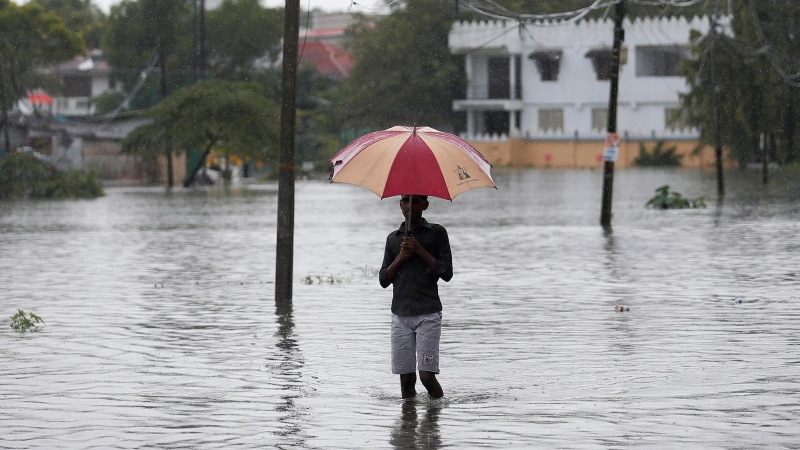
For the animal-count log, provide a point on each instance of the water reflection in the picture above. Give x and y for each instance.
(290, 359)
(411, 431)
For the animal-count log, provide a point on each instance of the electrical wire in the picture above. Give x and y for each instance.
(506, 14)
(679, 4)
(305, 36)
(381, 8)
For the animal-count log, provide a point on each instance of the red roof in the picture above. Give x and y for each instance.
(329, 60)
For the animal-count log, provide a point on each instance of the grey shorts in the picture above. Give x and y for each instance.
(415, 343)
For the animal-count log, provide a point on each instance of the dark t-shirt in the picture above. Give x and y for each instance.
(415, 286)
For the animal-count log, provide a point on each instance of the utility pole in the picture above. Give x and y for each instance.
(194, 39)
(717, 141)
(612, 139)
(202, 62)
(162, 62)
(284, 255)
(3, 107)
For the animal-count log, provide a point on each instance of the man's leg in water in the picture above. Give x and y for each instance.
(430, 382)
(408, 383)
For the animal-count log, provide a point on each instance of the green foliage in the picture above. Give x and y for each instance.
(753, 99)
(107, 101)
(22, 175)
(137, 27)
(405, 72)
(30, 36)
(673, 200)
(659, 156)
(240, 32)
(80, 16)
(22, 321)
(232, 117)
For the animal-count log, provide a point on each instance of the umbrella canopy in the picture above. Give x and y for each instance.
(410, 160)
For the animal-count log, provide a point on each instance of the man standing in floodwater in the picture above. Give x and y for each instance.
(413, 262)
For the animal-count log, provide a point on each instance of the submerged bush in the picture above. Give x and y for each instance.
(659, 156)
(23, 175)
(673, 200)
(22, 321)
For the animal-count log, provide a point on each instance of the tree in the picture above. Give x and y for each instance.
(30, 37)
(241, 32)
(232, 118)
(80, 16)
(138, 28)
(405, 72)
(757, 105)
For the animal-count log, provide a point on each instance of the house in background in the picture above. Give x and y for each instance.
(84, 78)
(538, 95)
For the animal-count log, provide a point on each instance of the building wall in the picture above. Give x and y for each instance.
(577, 154)
(104, 156)
(642, 99)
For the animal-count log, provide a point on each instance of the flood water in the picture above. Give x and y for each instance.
(162, 330)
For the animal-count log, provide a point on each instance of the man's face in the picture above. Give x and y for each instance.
(416, 206)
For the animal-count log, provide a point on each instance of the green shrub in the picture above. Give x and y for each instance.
(673, 200)
(22, 175)
(22, 321)
(659, 156)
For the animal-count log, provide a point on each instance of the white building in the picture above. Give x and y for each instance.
(549, 81)
(84, 78)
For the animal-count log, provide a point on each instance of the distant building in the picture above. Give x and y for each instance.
(84, 78)
(546, 88)
(328, 59)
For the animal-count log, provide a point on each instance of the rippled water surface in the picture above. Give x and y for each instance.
(162, 330)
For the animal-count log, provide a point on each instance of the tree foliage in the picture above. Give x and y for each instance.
(753, 99)
(80, 16)
(240, 32)
(22, 175)
(659, 156)
(137, 27)
(232, 117)
(405, 72)
(30, 37)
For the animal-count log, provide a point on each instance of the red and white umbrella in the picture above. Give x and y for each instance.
(412, 160)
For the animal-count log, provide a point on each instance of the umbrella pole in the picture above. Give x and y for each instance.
(408, 216)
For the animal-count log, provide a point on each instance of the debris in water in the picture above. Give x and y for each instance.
(621, 308)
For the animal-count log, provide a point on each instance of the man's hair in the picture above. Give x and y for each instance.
(424, 198)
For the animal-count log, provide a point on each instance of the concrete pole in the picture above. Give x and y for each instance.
(284, 257)
(202, 62)
(717, 141)
(608, 166)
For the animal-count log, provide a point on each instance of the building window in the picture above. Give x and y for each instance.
(551, 119)
(601, 60)
(548, 62)
(77, 86)
(675, 119)
(62, 103)
(499, 81)
(600, 119)
(82, 104)
(658, 61)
